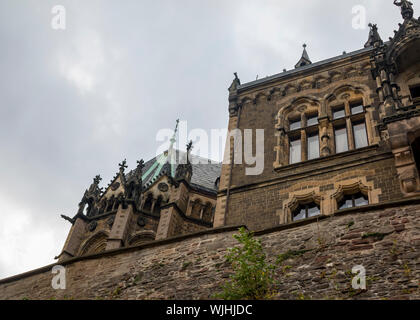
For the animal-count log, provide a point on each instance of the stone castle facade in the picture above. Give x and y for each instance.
(341, 137)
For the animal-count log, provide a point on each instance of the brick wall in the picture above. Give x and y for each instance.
(385, 239)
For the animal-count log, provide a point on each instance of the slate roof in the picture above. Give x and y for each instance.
(300, 69)
(205, 171)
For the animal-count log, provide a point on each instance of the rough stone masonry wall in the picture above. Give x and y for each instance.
(385, 240)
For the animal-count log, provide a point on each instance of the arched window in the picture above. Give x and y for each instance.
(148, 203)
(354, 193)
(142, 238)
(110, 204)
(302, 131)
(208, 212)
(95, 244)
(196, 209)
(305, 211)
(158, 204)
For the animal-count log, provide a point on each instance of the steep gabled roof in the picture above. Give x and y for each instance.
(205, 171)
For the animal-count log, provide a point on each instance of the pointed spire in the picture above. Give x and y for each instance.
(374, 37)
(171, 151)
(304, 60)
(235, 83)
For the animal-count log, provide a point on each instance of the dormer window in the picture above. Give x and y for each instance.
(306, 211)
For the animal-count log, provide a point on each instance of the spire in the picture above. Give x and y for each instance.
(374, 37)
(407, 11)
(171, 151)
(304, 60)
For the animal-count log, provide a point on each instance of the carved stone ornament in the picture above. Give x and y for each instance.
(115, 186)
(141, 222)
(92, 226)
(163, 187)
(110, 221)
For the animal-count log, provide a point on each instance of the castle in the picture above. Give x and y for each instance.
(341, 136)
(339, 133)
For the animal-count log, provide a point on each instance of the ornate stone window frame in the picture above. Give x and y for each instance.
(300, 198)
(349, 187)
(94, 244)
(301, 110)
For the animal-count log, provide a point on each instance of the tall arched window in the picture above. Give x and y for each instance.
(302, 132)
(158, 204)
(148, 203)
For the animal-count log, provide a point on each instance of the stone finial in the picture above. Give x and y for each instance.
(304, 60)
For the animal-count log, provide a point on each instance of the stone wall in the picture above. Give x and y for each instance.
(385, 239)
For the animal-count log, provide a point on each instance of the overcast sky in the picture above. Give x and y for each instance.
(74, 103)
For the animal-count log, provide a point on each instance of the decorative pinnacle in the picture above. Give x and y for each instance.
(140, 164)
(97, 179)
(123, 165)
(189, 148)
(173, 139)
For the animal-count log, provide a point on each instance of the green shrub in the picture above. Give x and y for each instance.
(253, 277)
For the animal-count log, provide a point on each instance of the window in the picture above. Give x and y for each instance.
(303, 137)
(341, 140)
(295, 151)
(339, 113)
(357, 108)
(313, 147)
(306, 211)
(312, 120)
(294, 125)
(415, 92)
(353, 200)
(360, 136)
(349, 127)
